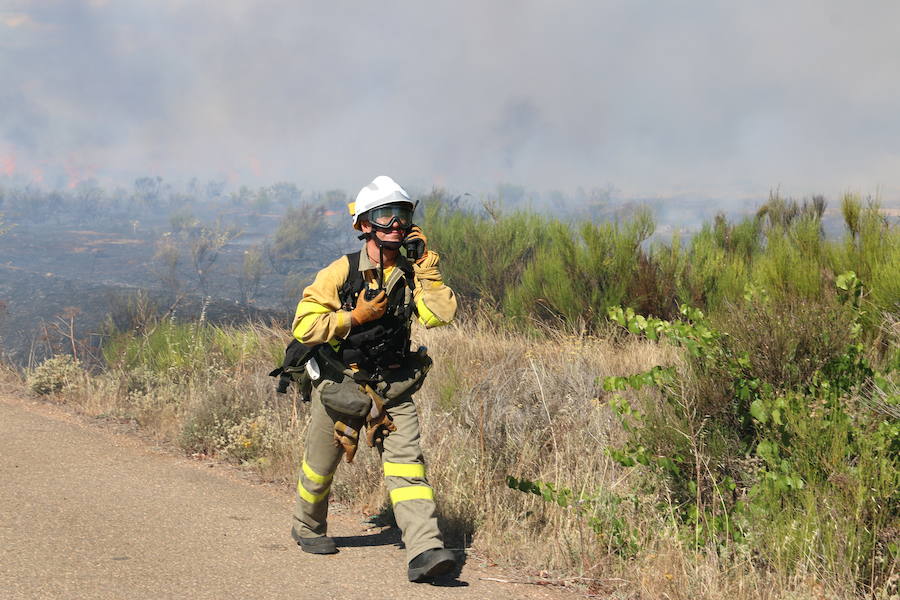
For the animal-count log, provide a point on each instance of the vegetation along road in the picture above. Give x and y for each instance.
(86, 512)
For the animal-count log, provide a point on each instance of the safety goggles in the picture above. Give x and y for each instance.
(386, 217)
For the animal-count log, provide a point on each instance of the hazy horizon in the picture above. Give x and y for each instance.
(651, 100)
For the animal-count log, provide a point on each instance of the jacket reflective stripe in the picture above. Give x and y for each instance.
(402, 470)
(315, 477)
(412, 492)
(426, 317)
(305, 317)
(310, 497)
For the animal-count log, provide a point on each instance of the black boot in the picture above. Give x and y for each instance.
(431, 563)
(315, 545)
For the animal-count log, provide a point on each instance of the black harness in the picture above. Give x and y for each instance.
(372, 346)
(385, 341)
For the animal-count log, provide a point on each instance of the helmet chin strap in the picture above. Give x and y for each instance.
(381, 246)
(380, 242)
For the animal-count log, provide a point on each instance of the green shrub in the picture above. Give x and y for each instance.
(872, 250)
(217, 420)
(486, 253)
(169, 347)
(791, 265)
(780, 437)
(54, 375)
(786, 342)
(253, 438)
(535, 268)
(578, 276)
(291, 242)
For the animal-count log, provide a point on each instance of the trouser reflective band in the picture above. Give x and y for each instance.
(401, 470)
(315, 477)
(309, 496)
(323, 480)
(411, 492)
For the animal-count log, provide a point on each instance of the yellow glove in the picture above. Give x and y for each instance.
(368, 310)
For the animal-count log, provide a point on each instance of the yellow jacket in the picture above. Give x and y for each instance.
(320, 318)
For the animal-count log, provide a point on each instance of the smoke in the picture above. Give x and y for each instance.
(668, 99)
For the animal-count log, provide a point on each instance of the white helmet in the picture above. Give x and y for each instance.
(382, 191)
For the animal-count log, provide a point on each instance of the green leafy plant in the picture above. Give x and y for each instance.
(797, 465)
(600, 512)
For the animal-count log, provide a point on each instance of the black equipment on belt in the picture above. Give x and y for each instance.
(296, 355)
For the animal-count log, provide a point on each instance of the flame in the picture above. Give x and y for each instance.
(13, 20)
(255, 166)
(73, 174)
(76, 173)
(8, 165)
(38, 175)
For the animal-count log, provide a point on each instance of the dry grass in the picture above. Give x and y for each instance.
(498, 404)
(10, 379)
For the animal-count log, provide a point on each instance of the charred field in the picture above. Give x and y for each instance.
(65, 279)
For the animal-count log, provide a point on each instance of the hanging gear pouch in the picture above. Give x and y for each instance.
(293, 370)
(304, 385)
(344, 397)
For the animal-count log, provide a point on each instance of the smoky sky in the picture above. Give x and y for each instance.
(654, 98)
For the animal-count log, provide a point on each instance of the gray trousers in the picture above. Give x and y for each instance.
(404, 475)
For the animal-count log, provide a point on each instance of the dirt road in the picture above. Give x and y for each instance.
(89, 513)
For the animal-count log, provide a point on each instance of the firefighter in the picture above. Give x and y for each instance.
(357, 315)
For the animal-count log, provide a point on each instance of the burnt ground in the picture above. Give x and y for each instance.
(52, 270)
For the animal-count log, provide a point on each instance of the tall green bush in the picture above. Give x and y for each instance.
(579, 275)
(537, 268)
(486, 252)
(798, 460)
(871, 248)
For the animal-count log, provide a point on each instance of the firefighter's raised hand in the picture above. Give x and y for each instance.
(416, 239)
(368, 310)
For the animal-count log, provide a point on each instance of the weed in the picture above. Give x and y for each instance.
(55, 375)
(824, 470)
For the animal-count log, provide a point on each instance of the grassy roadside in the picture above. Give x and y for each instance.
(497, 404)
